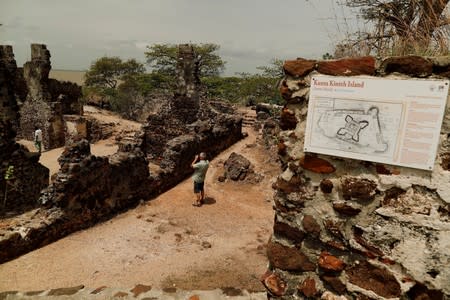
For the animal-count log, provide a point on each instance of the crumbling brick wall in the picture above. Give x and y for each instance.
(353, 228)
(28, 176)
(44, 101)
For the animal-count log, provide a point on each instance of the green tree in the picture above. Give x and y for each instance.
(274, 70)
(105, 72)
(243, 88)
(162, 58)
(327, 56)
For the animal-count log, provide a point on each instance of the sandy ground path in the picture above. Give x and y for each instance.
(166, 242)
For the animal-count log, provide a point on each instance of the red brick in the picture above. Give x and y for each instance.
(346, 209)
(288, 121)
(274, 284)
(316, 165)
(285, 92)
(288, 258)
(139, 289)
(391, 195)
(330, 263)
(358, 189)
(310, 225)
(282, 149)
(289, 232)
(336, 245)
(336, 284)
(295, 184)
(308, 287)
(348, 67)
(334, 228)
(373, 278)
(381, 169)
(445, 161)
(299, 67)
(326, 186)
(409, 65)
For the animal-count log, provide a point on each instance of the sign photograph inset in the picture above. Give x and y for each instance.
(392, 121)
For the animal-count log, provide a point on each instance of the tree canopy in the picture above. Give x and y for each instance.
(162, 58)
(105, 72)
(402, 26)
(274, 69)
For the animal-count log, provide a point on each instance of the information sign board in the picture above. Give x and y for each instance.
(391, 121)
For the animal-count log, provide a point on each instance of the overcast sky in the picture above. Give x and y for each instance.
(250, 32)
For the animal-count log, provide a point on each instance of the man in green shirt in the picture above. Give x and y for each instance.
(200, 166)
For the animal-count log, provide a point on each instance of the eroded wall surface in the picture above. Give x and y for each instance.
(27, 177)
(351, 228)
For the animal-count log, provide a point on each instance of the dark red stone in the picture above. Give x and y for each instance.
(387, 261)
(98, 290)
(326, 186)
(299, 67)
(288, 120)
(329, 262)
(273, 283)
(65, 291)
(282, 149)
(391, 195)
(358, 189)
(308, 287)
(285, 92)
(336, 245)
(445, 161)
(286, 206)
(295, 184)
(139, 289)
(289, 232)
(310, 225)
(421, 292)
(334, 228)
(348, 67)
(382, 170)
(345, 209)
(375, 279)
(287, 258)
(316, 165)
(373, 251)
(409, 65)
(336, 284)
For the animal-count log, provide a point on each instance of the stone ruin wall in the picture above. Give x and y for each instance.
(29, 177)
(44, 102)
(180, 110)
(88, 188)
(349, 229)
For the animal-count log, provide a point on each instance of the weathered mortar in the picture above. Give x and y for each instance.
(359, 229)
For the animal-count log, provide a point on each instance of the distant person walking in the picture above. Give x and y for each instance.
(200, 166)
(37, 135)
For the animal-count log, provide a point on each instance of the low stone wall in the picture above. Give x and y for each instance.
(206, 137)
(353, 228)
(88, 189)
